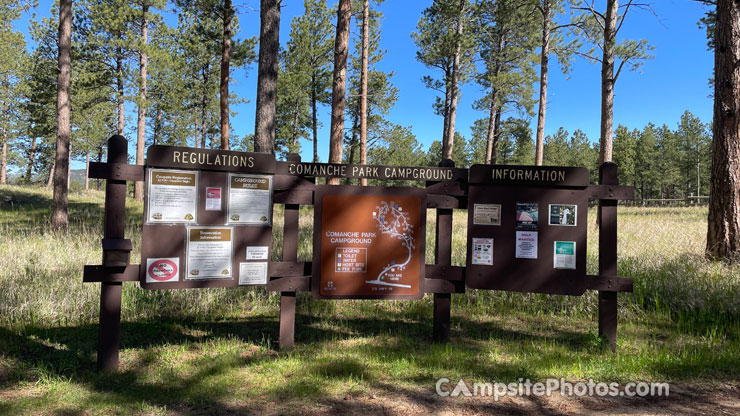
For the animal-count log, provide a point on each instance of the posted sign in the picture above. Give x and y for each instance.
(369, 243)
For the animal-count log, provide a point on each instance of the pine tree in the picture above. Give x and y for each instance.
(309, 53)
(506, 37)
(601, 29)
(443, 44)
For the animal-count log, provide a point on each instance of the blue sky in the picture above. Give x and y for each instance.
(674, 81)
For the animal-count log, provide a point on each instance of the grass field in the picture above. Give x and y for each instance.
(214, 351)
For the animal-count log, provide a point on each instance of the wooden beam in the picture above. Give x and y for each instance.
(289, 284)
(611, 192)
(609, 283)
(98, 273)
(116, 171)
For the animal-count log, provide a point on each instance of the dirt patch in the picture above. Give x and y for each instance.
(695, 399)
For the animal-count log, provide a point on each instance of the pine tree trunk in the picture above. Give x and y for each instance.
(69, 167)
(4, 160)
(339, 82)
(87, 171)
(544, 68)
(363, 86)
(496, 135)
(607, 81)
(445, 114)
(61, 159)
(491, 125)
(119, 92)
(100, 159)
(294, 135)
(723, 233)
(314, 120)
(448, 145)
(50, 182)
(141, 119)
(224, 87)
(31, 157)
(267, 74)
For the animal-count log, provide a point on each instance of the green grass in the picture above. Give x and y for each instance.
(214, 351)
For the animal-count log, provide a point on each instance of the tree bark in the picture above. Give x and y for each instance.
(491, 125)
(339, 83)
(496, 135)
(363, 86)
(723, 233)
(119, 92)
(87, 171)
(141, 118)
(224, 87)
(100, 159)
(267, 74)
(50, 182)
(61, 160)
(31, 157)
(544, 68)
(294, 135)
(314, 120)
(607, 81)
(4, 160)
(448, 145)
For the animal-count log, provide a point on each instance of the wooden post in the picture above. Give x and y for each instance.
(290, 253)
(608, 256)
(443, 253)
(109, 334)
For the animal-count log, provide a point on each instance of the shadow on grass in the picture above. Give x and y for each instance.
(68, 353)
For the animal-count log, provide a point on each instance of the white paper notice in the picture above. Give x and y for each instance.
(209, 252)
(172, 196)
(213, 199)
(526, 244)
(253, 273)
(564, 255)
(483, 251)
(250, 199)
(257, 253)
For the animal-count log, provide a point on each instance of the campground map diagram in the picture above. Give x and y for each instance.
(392, 220)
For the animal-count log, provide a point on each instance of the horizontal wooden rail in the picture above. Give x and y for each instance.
(290, 284)
(116, 171)
(97, 273)
(609, 283)
(293, 196)
(611, 192)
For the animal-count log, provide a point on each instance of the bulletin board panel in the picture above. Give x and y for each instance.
(226, 241)
(526, 274)
(369, 243)
(523, 235)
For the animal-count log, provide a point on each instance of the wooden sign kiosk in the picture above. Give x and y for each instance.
(208, 223)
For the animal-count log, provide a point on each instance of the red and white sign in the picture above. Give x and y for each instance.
(163, 270)
(213, 199)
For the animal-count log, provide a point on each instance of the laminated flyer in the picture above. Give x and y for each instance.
(253, 273)
(483, 251)
(209, 252)
(526, 244)
(172, 196)
(527, 214)
(563, 215)
(487, 214)
(564, 255)
(250, 199)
